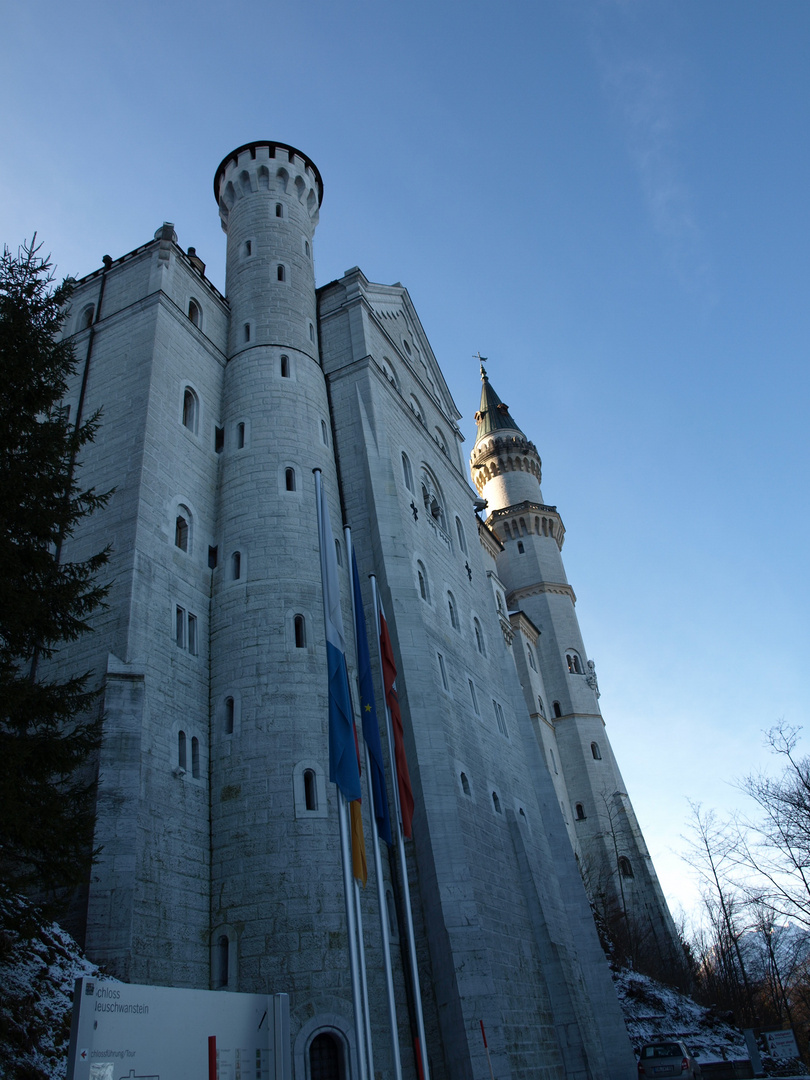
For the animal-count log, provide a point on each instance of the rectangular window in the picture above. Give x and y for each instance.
(192, 634)
(219, 439)
(473, 698)
(500, 718)
(180, 627)
(443, 672)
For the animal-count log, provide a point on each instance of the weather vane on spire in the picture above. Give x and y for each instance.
(477, 356)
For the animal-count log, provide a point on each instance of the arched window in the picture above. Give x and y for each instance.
(181, 530)
(281, 273)
(325, 1058)
(191, 409)
(574, 666)
(432, 497)
(247, 331)
(553, 761)
(310, 790)
(530, 655)
(248, 247)
(324, 433)
(416, 409)
(300, 632)
(194, 312)
(279, 210)
(557, 710)
(465, 784)
(285, 367)
(407, 472)
(462, 540)
(596, 752)
(521, 549)
(181, 750)
(496, 802)
(540, 706)
(240, 435)
(289, 479)
(479, 637)
(195, 758)
(223, 953)
(424, 587)
(625, 869)
(451, 607)
(580, 812)
(338, 552)
(229, 715)
(86, 318)
(236, 565)
(474, 698)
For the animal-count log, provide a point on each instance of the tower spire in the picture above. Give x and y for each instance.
(492, 414)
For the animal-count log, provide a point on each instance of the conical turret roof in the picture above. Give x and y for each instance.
(492, 415)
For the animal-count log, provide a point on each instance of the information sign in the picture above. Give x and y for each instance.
(122, 1031)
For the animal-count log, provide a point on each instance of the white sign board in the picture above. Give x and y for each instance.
(125, 1032)
(781, 1044)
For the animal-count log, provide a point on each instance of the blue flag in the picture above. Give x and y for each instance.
(368, 710)
(343, 767)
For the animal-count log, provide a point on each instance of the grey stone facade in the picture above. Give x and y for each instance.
(217, 868)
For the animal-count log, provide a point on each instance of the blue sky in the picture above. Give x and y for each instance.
(607, 198)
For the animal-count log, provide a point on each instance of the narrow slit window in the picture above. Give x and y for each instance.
(473, 697)
(181, 533)
(236, 565)
(442, 671)
(190, 409)
(306, 248)
(181, 749)
(580, 812)
(279, 210)
(324, 433)
(195, 758)
(479, 637)
(192, 634)
(300, 632)
(285, 367)
(229, 715)
(212, 558)
(557, 710)
(499, 717)
(223, 961)
(407, 472)
(281, 273)
(180, 627)
(311, 332)
(219, 439)
(247, 331)
(596, 753)
(310, 790)
(465, 784)
(240, 436)
(289, 479)
(496, 802)
(338, 552)
(248, 247)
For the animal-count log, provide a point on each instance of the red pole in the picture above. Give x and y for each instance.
(418, 1051)
(212, 1057)
(489, 1059)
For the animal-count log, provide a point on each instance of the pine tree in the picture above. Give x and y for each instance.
(48, 733)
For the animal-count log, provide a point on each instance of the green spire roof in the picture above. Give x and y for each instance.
(493, 415)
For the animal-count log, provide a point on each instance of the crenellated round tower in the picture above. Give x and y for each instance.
(275, 878)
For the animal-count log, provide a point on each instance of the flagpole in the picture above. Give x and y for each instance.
(345, 854)
(381, 902)
(417, 993)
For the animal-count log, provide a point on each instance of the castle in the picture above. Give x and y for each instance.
(219, 864)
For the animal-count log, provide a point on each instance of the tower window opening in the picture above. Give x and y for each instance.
(324, 433)
(557, 710)
(596, 753)
(86, 319)
(285, 367)
(236, 565)
(625, 869)
(181, 533)
(247, 331)
(338, 552)
(574, 666)
(496, 802)
(521, 548)
(229, 715)
(219, 440)
(306, 248)
(424, 587)
(300, 627)
(194, 313)
(442, 671)
(530, 655)
(407, 472)
(248, 247)
(223, 961)
(311, 332)
(553, 761)
(195, 758)
(499, 717)
(540, 706)
(279, 210)
(192, 635)
(325, 1058)
(479, 637)
(190, 409)
(310, 790)
(580, 812)
(451, 606)
(474, 698)
(180, 627)
(281, 274)
(289, 479)
(240, 435)
(465, 784)
(212, 557)
(462, 541)
(181, 750)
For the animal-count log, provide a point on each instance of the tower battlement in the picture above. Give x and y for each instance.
(267, 167)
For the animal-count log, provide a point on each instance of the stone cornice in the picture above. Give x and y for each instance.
(542, 587)
(521, 622)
